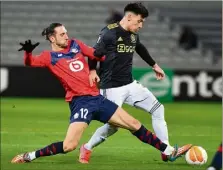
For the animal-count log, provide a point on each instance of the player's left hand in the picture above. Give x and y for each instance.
(93, 77)
(28, 46)
(160, 75)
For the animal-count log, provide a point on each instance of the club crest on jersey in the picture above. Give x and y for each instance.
(59, 55)
(74, 50)
(133, 38)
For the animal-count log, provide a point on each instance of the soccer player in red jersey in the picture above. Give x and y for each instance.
(66, 61)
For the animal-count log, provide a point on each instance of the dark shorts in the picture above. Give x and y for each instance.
(87, 108)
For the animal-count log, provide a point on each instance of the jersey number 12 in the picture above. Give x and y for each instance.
(84, 113)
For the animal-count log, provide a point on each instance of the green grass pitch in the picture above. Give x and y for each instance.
(30, 124)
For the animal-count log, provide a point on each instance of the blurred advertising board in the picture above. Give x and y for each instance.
(178, 85)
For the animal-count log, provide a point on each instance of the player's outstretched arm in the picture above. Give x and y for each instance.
(36, 61)
(144, 54)
(89, 51)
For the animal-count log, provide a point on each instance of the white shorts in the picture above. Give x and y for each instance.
(133, 94)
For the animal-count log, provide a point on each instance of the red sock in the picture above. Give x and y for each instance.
(52, 149)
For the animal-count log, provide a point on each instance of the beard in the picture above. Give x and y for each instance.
(64, 45)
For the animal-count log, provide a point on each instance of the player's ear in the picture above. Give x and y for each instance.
(52, 39)
(129, 16)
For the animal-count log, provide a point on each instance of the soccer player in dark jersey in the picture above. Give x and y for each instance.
(66, 61)
(216, 163)
(119, 42)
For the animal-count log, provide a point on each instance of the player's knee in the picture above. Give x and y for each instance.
(158, 113)
(70, 146)
(135, 124)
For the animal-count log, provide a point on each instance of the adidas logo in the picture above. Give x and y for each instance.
(120, 39)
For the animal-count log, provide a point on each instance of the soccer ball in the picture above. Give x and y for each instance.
(196, 155)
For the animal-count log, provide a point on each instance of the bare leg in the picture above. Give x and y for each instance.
(74, 133)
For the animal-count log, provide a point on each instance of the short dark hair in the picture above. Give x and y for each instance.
(138, 8)
(48, 31)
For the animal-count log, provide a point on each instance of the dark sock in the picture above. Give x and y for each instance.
(217, 160)
(52, 149)
(148, 137)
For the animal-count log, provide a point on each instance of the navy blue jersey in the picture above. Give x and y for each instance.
(118, 45)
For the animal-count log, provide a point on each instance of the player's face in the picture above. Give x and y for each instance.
(61, 37)
(135, 22)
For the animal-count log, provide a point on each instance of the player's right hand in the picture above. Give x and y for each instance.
(93, 77)
(28, 46)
